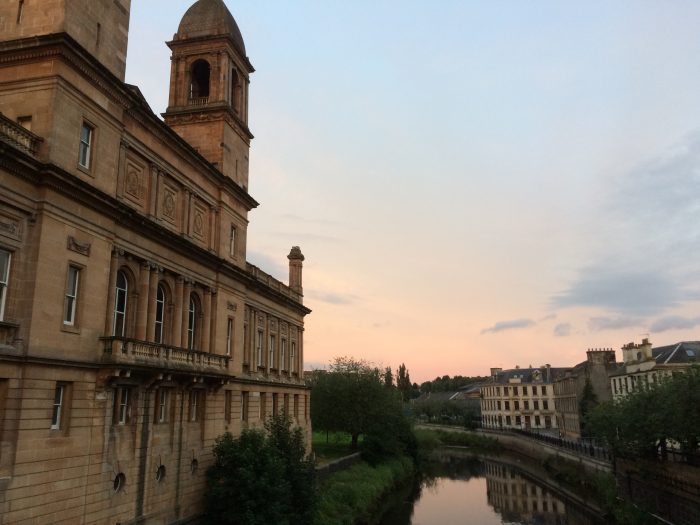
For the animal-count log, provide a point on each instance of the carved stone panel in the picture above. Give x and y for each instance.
(169, 199)
(10, 226)
(200, 222)
(135, 182)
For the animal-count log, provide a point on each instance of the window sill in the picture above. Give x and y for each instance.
(86, 170)
(71, 329)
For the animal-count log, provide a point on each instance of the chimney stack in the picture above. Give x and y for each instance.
(296, 258)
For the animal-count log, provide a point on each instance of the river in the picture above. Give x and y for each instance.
(466, 489)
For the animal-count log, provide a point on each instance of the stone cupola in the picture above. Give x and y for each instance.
(296, 259)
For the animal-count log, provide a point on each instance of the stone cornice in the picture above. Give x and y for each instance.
(63, 182)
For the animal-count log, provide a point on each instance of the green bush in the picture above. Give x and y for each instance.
(261, 478)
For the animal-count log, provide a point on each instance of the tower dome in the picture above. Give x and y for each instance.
(207, 18)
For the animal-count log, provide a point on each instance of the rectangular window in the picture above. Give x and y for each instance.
(537, 405)
(527, 405)
(499, 405)
(517, 421)
(232, 241)
(122, 405)
(544, 390)
(244, 406)
(286, 404)
(537, 421)
(507, 403)
(86, 134)
(263, 405)
(296, 406)
(293, 358)
(283, 354)
(57, 406)
(195, 405)
(162, 405)
(258, 348)
(4, 279)
(547, 422)
(227, 406)
(545, 404)
(274, 404)
(515, 390)
(71, 299)
(229, 336)
(524, 390)
(271, 347)
(508, 420)
(517, 405)
(246, 345)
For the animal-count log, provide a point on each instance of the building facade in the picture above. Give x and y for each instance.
(520, 398)
(645, 366)
(133, 331)
(581, 388)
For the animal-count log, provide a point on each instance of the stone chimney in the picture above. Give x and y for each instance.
(296, 258)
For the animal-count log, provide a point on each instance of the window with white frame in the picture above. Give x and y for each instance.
(283, 354)
(58, 398)
(71, 298)
(293, 357)
(87, 133)
(191, 323)
(258, 348)
(5, 257)
(160, 314)
(195, 405)
(120, 303)
(271, 345)
(122, 405)
(229, 336)
(162, 405)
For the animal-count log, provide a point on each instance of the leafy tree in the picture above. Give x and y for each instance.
(352, 397)
(642, 424)
(261, 478)
(388, 377)
(403, 382)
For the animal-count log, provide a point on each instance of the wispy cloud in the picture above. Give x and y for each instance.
(274, 266)
(330, 297)
(599, 324)
(563, 330)
(514, 324)
(674, 322)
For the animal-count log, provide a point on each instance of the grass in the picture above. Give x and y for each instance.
(350, 496)
(429, 439)
(328, 447)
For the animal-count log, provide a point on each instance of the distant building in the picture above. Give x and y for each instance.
(520, 398)
(587, 383)
(644, 365)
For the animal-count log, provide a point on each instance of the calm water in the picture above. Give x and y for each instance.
(484, 492)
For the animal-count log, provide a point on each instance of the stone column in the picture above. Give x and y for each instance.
(206, 320)
(153, 201)
(111, 291)
(152, 295)
(142, 306)
(176, 337)
(187, 291)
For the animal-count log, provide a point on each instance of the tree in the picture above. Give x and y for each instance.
(351, 397)
(261, 477)
(388, 377)
(403, 382)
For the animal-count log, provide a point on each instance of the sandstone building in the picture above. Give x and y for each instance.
(133, 331)
(520, 398)
(581, 389)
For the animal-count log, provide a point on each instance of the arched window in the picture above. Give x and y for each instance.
(193, 313)
(200, 73)
(120, 302)
(236, 91)
(160, 313)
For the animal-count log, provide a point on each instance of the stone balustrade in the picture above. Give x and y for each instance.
(16, 135)
(271, 282)
(120, 350)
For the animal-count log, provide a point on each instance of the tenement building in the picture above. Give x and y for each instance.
(133, 331)
(580, 389)
(521, 398)
(646, 366)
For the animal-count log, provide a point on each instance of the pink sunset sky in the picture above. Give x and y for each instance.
(473, 184)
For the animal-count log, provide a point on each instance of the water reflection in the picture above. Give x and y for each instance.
(472, 490)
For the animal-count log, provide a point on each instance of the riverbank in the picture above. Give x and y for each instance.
(353, 496)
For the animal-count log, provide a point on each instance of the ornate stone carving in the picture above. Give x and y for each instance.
(83, 248)
(169, 204)
(10, 227)
(231, 306)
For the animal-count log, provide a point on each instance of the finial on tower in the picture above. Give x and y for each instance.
(296, 258)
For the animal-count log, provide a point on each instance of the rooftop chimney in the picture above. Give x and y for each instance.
(296, 258)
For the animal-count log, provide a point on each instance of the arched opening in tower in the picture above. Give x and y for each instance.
(199, 87)
(236, 91)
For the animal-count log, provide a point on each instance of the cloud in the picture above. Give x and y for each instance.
(330, 297)
(674, 322)
(631, 291)
(273, 266)
(299, 237)
(502, 326)
(550, 317)
(563, 330)
(598, 324)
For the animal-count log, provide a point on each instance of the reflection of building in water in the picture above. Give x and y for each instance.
(518, 499)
